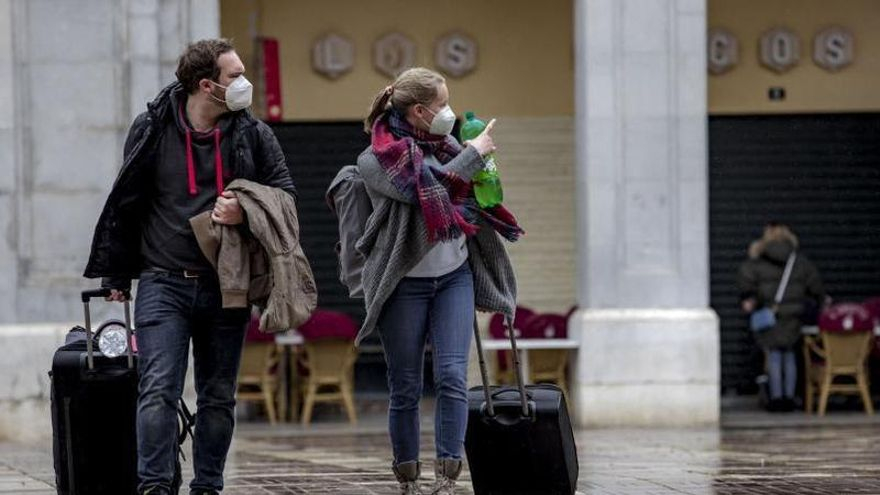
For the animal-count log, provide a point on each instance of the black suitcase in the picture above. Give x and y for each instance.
(94, 403)
(519, 439)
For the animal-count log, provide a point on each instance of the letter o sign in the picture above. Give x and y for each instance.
(393, 53)
(780, 49)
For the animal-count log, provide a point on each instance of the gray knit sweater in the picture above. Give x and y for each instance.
(396, 239)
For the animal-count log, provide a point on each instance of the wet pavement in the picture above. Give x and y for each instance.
(752, 453)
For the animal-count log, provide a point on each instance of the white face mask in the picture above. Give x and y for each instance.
(239, 93)
(443, 122)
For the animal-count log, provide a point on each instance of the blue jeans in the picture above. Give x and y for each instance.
(170, 311)
(440, 309)
(782, 368)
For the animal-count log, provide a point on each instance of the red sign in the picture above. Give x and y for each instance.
(271, 78)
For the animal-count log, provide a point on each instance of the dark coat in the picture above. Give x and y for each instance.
(759, 279)
(115, 253)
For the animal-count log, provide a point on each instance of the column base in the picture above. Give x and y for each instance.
(646, 367)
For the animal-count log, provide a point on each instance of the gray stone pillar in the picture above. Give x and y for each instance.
(8, 158)
(649, 343)
(73, 75)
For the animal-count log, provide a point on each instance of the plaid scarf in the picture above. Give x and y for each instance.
(446, 199)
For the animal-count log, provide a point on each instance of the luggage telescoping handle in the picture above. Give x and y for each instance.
(484, 374)
(87, 296)
(517, 368)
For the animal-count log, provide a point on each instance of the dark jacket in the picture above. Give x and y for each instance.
(115, 253)
(759, 278)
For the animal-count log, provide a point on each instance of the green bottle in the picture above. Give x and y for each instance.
(487, 184)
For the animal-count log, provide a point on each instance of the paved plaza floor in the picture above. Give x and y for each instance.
(752, 453)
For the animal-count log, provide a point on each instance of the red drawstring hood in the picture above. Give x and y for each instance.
(190, 162)
(218, 161)
(190, 165)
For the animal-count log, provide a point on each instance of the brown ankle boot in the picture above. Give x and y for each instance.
(407, 474)
(446, 471)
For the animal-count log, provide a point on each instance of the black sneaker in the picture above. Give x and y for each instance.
(204, 492)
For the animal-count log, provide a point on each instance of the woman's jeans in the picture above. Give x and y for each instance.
(172, 310)
(440, 310)
(782, 371)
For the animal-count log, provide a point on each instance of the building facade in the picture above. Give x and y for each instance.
(621, 130)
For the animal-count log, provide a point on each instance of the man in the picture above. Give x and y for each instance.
(194, 138)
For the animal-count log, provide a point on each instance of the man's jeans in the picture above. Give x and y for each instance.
(440, 309)
(170, 310)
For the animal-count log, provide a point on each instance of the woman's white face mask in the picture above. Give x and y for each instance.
(239, 93)
(443, 122)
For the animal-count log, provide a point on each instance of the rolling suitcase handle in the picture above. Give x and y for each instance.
(87, 296)
(484, 374)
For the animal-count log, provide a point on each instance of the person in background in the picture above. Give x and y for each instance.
(758, 280)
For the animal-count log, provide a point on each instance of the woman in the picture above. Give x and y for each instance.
(432, 256)
(759, 278)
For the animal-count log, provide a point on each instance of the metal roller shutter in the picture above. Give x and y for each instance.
(315, 153)
(818, 173)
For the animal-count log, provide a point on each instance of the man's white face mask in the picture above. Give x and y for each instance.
(239, 93)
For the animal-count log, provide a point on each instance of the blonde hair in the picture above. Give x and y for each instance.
(413, 86)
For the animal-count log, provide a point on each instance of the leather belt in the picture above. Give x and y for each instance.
(180, 273)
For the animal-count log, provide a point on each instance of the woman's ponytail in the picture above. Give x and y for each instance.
(380, 106)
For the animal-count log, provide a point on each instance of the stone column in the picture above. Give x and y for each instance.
(73, 75)
(649, 350)
(77, 72)
(8, 158)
